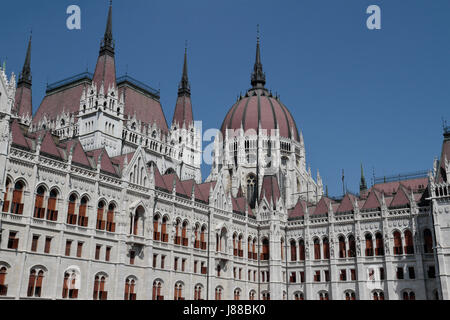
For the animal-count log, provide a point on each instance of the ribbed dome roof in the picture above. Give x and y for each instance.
(258, 106)
(261, 107)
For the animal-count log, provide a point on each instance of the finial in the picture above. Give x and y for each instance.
(257, 33)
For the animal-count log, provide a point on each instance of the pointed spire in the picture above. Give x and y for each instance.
(108, 41)
(25, 75)
(362, 185)
(258, 76)
(184, 87)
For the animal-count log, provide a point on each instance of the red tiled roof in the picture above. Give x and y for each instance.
(48, 146)
(18, 137)
(105, 164)
(270, 189)
(391, 187)
(78, 154)
(372, 201)
(400, 199)
(202, 193)
(67, 99)
(270, 111)
(105, 71)
(322, 207)
(346, 204)
(120, 160)
(442, 176)
(183, 111)
(146, 108)
(23, 101)
(298, 211)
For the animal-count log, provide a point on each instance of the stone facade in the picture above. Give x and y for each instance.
(99, 202)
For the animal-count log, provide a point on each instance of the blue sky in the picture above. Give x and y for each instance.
(375, 97)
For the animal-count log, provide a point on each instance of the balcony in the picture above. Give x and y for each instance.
(409, 249)
(17, 208)
(5, 206)
(39, 213)
(83, 221)
(101, 224)
(52, 215)
(72, 219)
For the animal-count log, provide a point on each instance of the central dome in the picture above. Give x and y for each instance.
(259, 106)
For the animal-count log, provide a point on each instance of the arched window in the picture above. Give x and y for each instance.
(299, 296)
(6, 202)
(100, 221)
(255, 254)
(198, 292)
(326, 248)
(178, 294)
(177, 232)
(409, 243)
(379, 251)
(196, 237)
(71, 215)
(235, 245)
(350, 295)
(17, 205)
(164, 234)
(249, 247)
(130, 293)
(184, 234)
(110, 224)
(342, 247)
(240, 251)
(301, 249)
(82, 213)
(156, 233)
(323, 295)
(39, 207)
(157, 290)
(427, 241)
(352, 246)
(69, 286)
(398, 249)
(369, 245)
(378, 295)
(218, 293)
(251, 295)
(266, 295)
(35, 283)
(316, 249)
(202, 238)
(293, 250)
(237, 294)
(137, 222)
(99, 288)
(265, 249)
(52, 213)
(251, 190)
(3, 286)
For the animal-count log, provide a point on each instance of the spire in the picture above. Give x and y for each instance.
(362, 185)
(105, 70)
(258, 76)
(184, 87)
(23, 105)
(183, 109)
(25, 75)
(108, 41)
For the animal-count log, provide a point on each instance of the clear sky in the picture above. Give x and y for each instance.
(375, 97)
